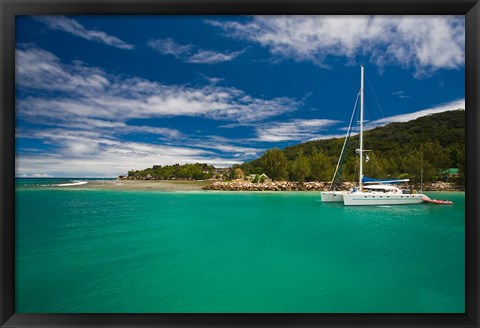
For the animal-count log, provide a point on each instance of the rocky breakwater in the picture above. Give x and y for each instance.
(274, 186)
(442, 186)
(313, 186)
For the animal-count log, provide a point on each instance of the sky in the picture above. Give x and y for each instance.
(97, 96)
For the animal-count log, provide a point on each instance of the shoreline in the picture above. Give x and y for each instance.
(241, 186)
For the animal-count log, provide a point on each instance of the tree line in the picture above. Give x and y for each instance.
(195, 171)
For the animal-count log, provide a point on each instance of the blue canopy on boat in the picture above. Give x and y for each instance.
(390, 181)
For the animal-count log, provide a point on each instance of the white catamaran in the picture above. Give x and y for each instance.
(370, 191)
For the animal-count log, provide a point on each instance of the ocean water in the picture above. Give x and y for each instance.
(95, 251)
(37, 183)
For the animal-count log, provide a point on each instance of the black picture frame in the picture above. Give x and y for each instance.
(10, 8)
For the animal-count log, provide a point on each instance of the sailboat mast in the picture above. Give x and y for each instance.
(360, 183)
(421, 173)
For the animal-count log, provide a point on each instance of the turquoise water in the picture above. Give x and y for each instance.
(84, 251)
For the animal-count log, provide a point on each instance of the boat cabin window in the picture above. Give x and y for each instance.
(380, 189)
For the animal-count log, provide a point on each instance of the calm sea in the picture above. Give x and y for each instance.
(80, 250)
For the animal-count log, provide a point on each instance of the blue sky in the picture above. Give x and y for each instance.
(97, 96)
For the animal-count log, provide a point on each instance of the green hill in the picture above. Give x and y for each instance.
(434, 142)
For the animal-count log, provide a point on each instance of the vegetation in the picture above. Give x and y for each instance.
(274, 164)
(183, 172)
(398, 150)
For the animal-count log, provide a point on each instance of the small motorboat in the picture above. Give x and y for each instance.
(427, 199)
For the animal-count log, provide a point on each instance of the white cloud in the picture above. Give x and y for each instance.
(39, 69)
(299, 130)
(81, 115)
(169, 47)
(36, 175)
(211, 80)
(190, 53)
(87, 92)
(425, 43)
(86, 153)
(213, 57)
(400, 94)
(453, 105)
(70, 25)
(227, 146)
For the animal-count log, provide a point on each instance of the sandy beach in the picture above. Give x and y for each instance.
(160, 185)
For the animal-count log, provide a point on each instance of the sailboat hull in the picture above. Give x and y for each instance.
(361, 198)
(333, 196)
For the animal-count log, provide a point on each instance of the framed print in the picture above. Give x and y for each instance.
(245, 163)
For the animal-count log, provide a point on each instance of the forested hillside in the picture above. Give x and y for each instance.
(435, 143)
